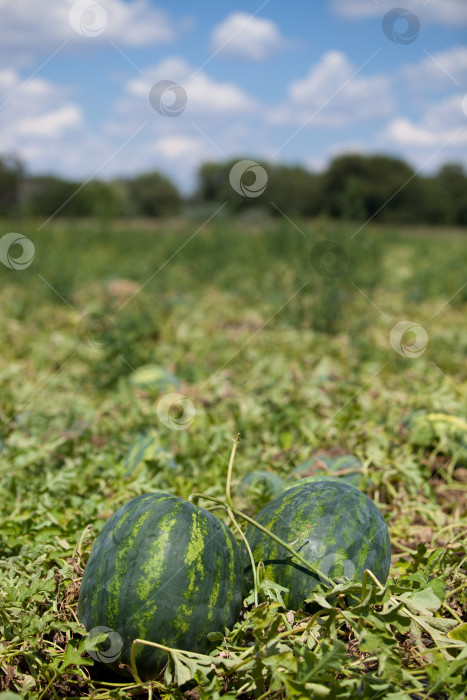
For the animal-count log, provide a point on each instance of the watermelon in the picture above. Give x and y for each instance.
(333, 525)
(145, 448)
(163, 570)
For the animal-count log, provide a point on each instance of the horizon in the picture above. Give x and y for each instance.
(112, 89)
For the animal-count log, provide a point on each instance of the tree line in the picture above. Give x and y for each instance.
(353, 187)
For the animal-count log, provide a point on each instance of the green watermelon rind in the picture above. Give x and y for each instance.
(326, 521)
(163, 570)
(147, 447)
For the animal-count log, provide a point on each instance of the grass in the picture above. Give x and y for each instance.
(271, 335)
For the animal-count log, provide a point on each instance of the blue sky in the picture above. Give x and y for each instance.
(299, 82)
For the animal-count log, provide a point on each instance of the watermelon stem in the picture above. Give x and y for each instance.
(250, 554)
(239, 514)
(302, 560)
(133, 662)
(192, 496)
(231, 511)
(234, 511)
(367, 573)
(263, 529)
(229, 471)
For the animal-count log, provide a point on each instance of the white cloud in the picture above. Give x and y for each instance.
(442, 69)
(29, 28)
(38, 122)
(450, 12)
(333, 94)
(245, 36)
(403, 132)
(203, 131)
(442, 122)
(41, 122)
(177, 147)
(205, 96)
(34, 107)
(52, 124)
(437, 137)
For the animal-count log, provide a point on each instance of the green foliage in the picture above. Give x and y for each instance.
(452, 193)
(289, 188)
(11, 174)
(237, 316)
(353, 187)
(44, 196)
(152, 194)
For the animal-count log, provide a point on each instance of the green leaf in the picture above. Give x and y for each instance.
(185, 666)
(295, 689)
(330, 659)
(443, 624)
(73, 652)
(459, 632)
(438, 588)
(321, 601)
(375, 643)
(182, 671)
(154, 378)
(216, 637)
(395, 617)
(273, 591)
(422, 602)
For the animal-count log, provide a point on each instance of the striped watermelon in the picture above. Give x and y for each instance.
(332, 525)
(163, 570)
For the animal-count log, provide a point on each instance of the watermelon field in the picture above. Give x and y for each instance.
(134, 352)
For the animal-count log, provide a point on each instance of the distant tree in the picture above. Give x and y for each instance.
(343, 190)
(451, 188)
(381, 187)
(146, 195)
(294, 190)
(11, 175)
(153, 194)
(44, 195)
(101, 199)
(291, 189)
(215, 183)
